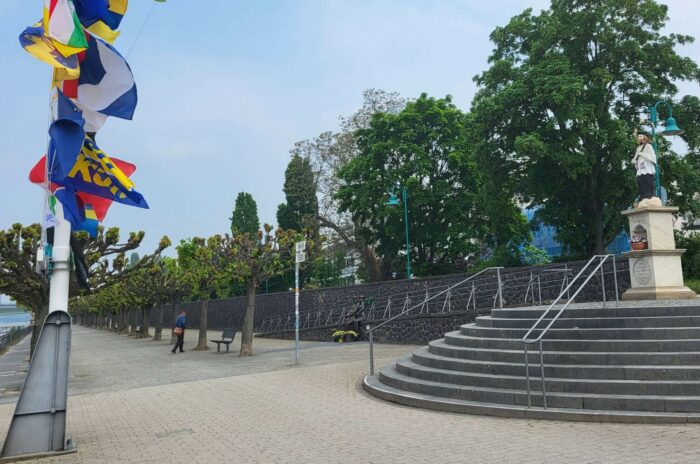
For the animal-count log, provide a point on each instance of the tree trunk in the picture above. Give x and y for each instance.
(158, 336)
(132, 324)
(123, 323)
(203, 326)
(247, 330)
(146, 323)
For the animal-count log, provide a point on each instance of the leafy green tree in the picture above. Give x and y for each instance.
(202, 265)
(105, 258)
(556, 110)
(253, 259)
(245, 215)
(425, 149)
(328, 153)
(301, 208)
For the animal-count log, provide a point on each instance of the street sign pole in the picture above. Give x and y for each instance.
(296, 312)
(299, 258)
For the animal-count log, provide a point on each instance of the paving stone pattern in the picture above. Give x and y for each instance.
(132, 401)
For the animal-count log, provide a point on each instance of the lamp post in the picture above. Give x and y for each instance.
(393, 201)
(671, 128)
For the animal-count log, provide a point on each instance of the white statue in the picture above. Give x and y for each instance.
(644, 161)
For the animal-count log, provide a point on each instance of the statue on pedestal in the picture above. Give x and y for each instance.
(644, 161)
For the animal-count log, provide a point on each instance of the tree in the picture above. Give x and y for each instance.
(253, 259)
(18, 252)
(425, 149)
(301, 209)
(556, 110)
(202, 265)
(328, 153)
(245, 215)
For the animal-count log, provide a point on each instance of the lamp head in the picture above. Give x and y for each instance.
(671, 128)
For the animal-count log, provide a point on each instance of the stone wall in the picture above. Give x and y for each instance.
(413, 328)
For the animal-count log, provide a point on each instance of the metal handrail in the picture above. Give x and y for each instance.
(538, 339)
(370, 329)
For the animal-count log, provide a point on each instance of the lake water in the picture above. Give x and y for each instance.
(15, 319)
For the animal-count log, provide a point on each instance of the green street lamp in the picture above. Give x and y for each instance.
(394, 201)
(670, 128)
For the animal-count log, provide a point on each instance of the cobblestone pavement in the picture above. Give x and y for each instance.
(134, 402)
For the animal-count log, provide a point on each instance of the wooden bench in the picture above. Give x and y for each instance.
(227, 337)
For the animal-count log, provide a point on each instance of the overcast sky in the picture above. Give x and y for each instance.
(226, 88)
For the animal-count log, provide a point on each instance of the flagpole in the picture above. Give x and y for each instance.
(60, 261)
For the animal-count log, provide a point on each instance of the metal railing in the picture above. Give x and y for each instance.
(497, 297)
(601, 259)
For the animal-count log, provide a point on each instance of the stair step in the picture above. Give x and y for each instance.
(656, 403)
(581, 385)
(424, 357)
(678, 308)
(591, 322)
(457, 339)
(373, 385)
(581, 333)
(440, 347)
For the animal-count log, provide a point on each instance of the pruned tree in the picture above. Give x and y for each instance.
(252, 259)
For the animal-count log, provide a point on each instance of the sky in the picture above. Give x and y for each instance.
(226, 87)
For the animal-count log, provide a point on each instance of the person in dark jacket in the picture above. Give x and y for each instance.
(179, 331)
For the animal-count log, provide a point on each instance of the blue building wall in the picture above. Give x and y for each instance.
(544, 237)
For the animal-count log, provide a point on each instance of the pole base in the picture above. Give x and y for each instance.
(68, 449)
(38, 426)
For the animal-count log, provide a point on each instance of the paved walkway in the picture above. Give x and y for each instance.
(132, 401)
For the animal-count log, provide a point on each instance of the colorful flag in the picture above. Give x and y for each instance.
(94, 172)
(90, 223)
(43, 48)
(109, 12)
(67, 137)
(99, 204)
(72, 212)
(61, 24)
(106, 84)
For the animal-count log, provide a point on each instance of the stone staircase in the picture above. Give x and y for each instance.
(639, 362)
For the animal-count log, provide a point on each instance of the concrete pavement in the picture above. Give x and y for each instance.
(132, 401)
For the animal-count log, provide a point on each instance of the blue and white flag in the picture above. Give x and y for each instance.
(106, 84)
(67, 136)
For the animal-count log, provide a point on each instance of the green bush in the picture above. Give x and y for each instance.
(693, 285)
(691, 257)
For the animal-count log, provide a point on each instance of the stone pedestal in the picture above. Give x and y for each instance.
(655, 273)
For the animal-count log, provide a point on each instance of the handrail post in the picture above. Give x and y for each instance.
(617, 296)
(527, 378)
(500, 288)
(544, 387)
(539, 288)
(371, 350)
(602, 281)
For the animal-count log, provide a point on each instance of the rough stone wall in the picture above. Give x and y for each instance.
(413, 328)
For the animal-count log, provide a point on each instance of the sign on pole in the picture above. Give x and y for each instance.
(301, 246)
(301, 257)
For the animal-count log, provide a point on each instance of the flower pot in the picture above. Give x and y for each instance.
(639, 245)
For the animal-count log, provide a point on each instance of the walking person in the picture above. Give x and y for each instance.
(179, 331)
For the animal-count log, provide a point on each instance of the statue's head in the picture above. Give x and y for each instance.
(642, 138)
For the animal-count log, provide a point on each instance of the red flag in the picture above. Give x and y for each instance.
(101, 205)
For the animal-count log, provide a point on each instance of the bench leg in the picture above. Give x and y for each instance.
(218, 347)
(227, 347)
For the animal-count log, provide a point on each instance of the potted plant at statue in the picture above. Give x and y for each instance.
(639, 242)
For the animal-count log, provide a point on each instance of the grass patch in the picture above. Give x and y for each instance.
(693, 285)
